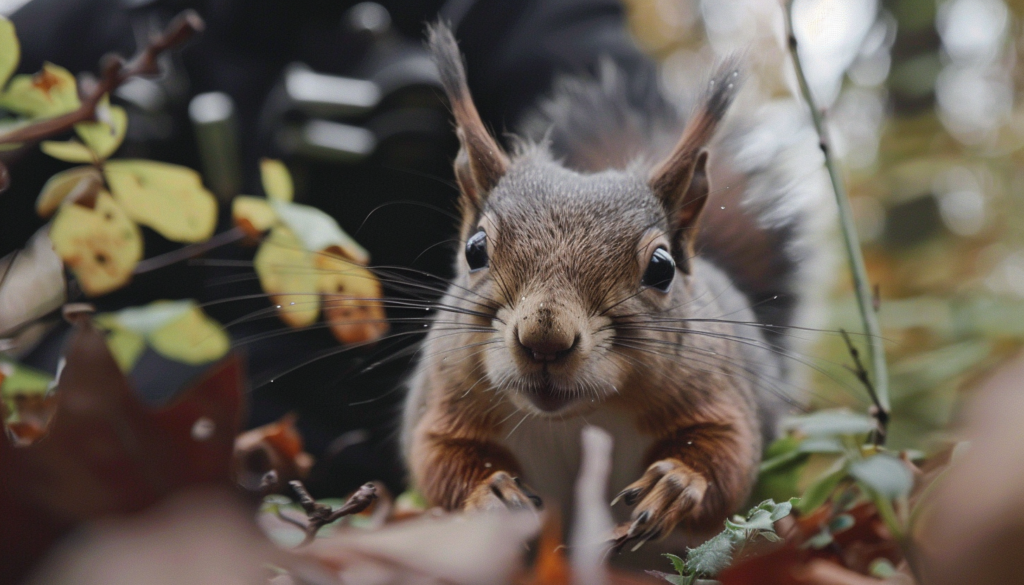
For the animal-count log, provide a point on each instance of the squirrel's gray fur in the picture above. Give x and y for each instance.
(769, 206)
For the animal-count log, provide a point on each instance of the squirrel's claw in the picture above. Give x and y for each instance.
(502, 491)
(668, 492)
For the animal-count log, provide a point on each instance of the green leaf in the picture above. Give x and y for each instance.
(318, 231)
(820, 490)
(105, 135)
(71, 151)
(831, 423)
(883, 474)
(46, 94)
(712, 557)
(10, 50)
(277, 181)
(177, 330)
(169, 198)
(677, 562)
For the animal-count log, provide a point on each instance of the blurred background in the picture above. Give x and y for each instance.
(925, 112)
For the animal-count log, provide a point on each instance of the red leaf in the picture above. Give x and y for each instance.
(108, 453)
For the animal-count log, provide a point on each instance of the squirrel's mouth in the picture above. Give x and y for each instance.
(548, 398)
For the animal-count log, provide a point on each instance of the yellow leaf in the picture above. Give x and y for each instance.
(104, 137)
(46, 94)
(287, 273)
(100, 245)
(351, 298)
(318, 231)
(71, 151)
(169, 198)
(79, 180)
(10, 50)
(277, 181)
(192, 338)
(253, 214)
(126, 346)
(177, 330)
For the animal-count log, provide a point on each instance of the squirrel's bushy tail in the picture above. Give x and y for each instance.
(768, 207)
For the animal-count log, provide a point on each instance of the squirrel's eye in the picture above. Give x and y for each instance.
(476, 251)
(660, 270)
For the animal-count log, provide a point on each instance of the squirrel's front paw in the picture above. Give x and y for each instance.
(667, 493)
(501, 491)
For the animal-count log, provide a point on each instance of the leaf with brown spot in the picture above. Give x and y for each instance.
(101, 245)
(253, 215)
(77, 180)
(351, 294)
(107, 453)
(50, 92)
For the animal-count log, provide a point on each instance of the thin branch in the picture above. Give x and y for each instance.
(191, 251)
(319, 515)
(113, 72)
(862, 285)
(881, 415)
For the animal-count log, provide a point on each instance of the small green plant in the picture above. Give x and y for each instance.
(715, 555)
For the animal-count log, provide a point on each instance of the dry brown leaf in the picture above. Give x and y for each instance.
(33, 283)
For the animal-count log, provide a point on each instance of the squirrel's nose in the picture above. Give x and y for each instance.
(546, 348)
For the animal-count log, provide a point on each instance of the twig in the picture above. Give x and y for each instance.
(320, 515)
(113, 72)
(191, 251)
(881, 415)
(862, 286)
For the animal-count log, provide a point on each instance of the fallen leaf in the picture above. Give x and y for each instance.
(77, 180)
(169, 198)
(107, 453)
(100, 245)
(286, 272)
(277, 181)
(277, 447)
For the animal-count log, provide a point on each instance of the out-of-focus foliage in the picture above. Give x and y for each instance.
(307, 262)
(928, 122)
(177, 330)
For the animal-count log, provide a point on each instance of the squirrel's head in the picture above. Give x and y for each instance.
(558, 257)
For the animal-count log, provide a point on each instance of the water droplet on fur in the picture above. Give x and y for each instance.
(729, 86)
(723, 207)
(279, 306)
(689, 442)
(487, 465)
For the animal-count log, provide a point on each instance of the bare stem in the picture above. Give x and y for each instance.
(862, 286)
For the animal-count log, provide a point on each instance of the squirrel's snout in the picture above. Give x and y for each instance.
(547, 348)
(546, 335)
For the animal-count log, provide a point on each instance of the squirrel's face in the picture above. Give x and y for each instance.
(559, 257)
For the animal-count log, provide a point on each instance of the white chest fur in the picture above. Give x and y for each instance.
(548, 449)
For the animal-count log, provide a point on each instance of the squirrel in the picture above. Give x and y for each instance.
(595, 288)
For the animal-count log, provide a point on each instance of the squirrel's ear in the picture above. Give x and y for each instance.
(481, 161)
(681, 181)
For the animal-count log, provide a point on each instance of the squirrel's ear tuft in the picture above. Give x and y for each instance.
(481, 161)
(681, 181)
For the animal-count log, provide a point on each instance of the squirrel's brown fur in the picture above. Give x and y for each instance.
(557, 327)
